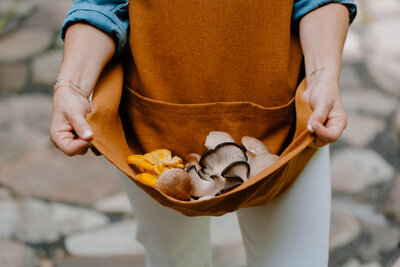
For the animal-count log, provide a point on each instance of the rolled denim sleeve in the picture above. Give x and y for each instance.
(302, 7)
(110, 16)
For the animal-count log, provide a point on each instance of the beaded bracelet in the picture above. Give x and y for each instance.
(71, 85)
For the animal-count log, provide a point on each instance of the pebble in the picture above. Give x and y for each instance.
(114, 239)
(344, 228)
(45, 67)
(368, 101)
(362, 129)
(13, 78)
(28, 223)
(355, 169)
(383, 54)
(14, 254)
(24, 43)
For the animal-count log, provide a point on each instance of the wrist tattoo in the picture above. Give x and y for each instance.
(316, 71)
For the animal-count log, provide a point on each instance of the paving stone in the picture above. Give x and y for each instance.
(13, 78)
(352, 50)
(118, 203)
(396, 123)
(24, 123)
(344, 227)
(396, 263)
(53, 10)
(382, 9)
(101, 261)
(45, 263)
(16, 255)
(392, 205)
(8, 217)
(363, 212)
(45, 67)
(383, 239)
(383, 54)
(115, 239)
(355, 169)
(362, 129)
(80, 180)
(355, 263)
(60, 219)
(4, 193)
(366, 100)
(349, 78)
(24, 43)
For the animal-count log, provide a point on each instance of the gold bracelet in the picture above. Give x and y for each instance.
(71, 85)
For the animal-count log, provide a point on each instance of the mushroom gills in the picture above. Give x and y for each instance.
(214, 161)
(201, 187)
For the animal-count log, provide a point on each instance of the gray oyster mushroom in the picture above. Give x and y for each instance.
(223, 166)
(215, 138)
(259, 157)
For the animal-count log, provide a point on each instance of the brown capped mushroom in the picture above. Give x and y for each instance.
(175, 183)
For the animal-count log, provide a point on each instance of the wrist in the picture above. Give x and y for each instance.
(322, 73)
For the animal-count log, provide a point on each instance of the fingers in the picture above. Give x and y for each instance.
(65, 140)
(319, 115)
(331, 131)
(81, 127)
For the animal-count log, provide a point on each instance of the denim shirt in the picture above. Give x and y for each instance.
(111, 16)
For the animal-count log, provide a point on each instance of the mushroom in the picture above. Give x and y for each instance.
(215, 138)
(176, 183)
(214, 161)
(193, 159)
(202, 187)
(258, 154)
(223, 166)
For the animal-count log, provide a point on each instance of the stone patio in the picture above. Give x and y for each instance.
(61, 211)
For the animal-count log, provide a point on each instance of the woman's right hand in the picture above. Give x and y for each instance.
(86, 51)
(69, 129)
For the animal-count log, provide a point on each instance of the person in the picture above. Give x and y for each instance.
(293, 229)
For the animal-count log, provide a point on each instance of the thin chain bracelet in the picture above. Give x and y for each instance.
(71, 85)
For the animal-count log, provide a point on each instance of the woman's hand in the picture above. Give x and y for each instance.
(86, 51)
(328, 119)
(69, 130)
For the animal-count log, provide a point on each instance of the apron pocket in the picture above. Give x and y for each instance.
(151, 124)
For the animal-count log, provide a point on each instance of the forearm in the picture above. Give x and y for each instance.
(86, 51)
(322, 34)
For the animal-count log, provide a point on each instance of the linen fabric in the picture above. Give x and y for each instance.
(200, 66)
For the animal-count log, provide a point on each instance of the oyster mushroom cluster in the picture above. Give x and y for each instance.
(226, 164)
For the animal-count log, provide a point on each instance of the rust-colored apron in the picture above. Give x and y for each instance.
(203, 65)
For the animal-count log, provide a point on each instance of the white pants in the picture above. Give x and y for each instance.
(290, 231)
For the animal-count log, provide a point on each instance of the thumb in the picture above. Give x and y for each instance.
(81, 127)
(318, 116)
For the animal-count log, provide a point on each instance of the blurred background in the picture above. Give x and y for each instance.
(61, 211)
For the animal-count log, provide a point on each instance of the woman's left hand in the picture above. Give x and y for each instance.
(328, 119)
